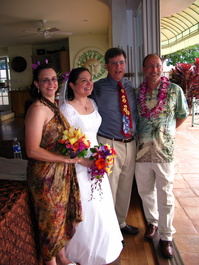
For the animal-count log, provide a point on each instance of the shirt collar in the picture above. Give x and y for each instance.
(113, 81)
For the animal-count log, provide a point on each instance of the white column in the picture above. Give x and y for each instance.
(135, 27)
(151, 27)
(123, 31)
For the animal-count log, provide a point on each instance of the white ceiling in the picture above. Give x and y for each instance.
(81, 17)
(20, 18)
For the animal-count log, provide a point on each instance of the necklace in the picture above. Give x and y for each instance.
(162, 94)
(86, 109)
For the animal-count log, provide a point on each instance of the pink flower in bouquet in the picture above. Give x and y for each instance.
(103, 157)
(74, 142)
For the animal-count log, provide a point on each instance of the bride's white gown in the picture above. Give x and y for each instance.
(97, 240)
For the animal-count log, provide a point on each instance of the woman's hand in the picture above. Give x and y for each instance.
(75, 160)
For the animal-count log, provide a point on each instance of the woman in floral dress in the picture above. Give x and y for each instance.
(51, 176)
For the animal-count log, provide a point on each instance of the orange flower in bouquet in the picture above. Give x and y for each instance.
(74, 143)
(103, 157)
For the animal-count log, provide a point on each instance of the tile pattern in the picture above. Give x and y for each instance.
(186, 191)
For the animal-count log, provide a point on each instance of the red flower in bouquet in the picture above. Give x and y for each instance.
(74, 143)
(100, 163)
(103, 156)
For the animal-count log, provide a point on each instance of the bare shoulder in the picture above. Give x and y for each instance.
(36, 107)
(39, 110)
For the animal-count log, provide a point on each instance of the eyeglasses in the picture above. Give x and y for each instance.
(153, 66)
(114, 63)
(47, 80)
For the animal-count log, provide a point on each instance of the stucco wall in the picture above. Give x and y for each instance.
(76, 44)
(20, 79)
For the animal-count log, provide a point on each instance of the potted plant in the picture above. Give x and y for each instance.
(187, 76)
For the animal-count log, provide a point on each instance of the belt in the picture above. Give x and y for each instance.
(127, 140)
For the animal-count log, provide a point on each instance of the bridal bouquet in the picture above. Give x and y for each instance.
(103, 159)
(74, 143)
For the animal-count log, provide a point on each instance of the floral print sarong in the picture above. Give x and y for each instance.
(55, 192)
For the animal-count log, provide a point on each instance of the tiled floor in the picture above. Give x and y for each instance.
(186, 190)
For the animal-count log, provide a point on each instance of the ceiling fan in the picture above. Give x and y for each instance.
(47, 32)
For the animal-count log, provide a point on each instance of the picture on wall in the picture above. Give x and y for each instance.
(93, 59)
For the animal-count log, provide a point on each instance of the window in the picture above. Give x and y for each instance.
(4, 81)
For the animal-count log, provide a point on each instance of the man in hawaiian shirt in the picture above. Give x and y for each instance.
(162, 108)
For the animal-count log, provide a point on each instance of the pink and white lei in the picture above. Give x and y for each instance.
(162, 94)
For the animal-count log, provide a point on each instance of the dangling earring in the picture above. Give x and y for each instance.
(38, 91)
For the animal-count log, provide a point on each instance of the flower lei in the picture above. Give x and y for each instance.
(162, 94)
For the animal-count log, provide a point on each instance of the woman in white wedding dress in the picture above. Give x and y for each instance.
(97, 240)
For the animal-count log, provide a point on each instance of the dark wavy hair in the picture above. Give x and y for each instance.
(73, 76)
(34, 93)
(113, 52)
